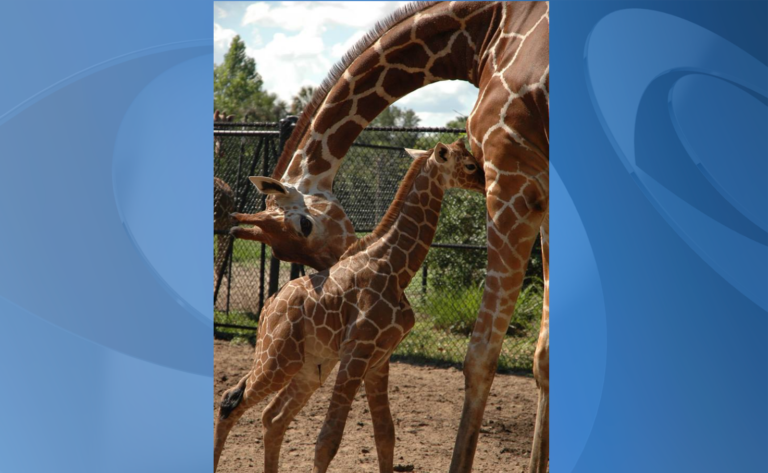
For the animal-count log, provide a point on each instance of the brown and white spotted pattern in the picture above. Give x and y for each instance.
(503, 49)
(354, 313)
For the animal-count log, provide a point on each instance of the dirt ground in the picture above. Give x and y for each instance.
(426, 406)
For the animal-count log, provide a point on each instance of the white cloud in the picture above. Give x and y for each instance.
(289, 62)
(441, 102)
(297, 55)
(256, 40)
(222, 36)
(296, 43)
(435, 119)
(220, 12)
(297, 16)
(338, 49)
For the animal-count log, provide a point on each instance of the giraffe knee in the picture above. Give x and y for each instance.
(269, 414)
(230, 400)
(541, 368)
(478, 377)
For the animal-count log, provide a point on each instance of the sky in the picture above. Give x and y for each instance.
(296, 43)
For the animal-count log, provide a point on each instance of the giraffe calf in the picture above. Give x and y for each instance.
(354, 313)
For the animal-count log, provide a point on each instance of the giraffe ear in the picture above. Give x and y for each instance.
(415, 153)
(267, 185)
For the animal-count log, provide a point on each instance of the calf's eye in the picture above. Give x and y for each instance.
(470, 167)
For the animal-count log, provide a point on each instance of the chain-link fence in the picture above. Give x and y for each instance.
(446, 293)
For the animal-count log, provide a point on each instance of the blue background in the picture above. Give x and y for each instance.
(658, 237)
(658, 211)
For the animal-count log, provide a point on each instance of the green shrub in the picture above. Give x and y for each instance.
(455, 311)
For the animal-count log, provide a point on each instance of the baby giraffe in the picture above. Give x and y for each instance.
(353, 313)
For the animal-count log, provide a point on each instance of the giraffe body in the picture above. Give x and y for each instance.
(354, 313)
(503, 49)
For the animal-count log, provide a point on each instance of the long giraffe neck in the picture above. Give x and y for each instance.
(419, 45)
(403, 237)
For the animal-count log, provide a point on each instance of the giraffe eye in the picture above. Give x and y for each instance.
(470, 167)
(306, 226)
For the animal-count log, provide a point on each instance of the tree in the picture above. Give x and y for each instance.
(239, 89)
(393, 116)
(302, 99)
(458, 122)
(396, 116)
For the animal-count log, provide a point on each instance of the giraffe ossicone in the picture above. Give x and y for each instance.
(354, 313)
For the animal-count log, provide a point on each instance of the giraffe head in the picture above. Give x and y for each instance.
(307, 229)
(456, 166)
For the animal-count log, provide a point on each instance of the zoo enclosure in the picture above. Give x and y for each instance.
(446, 293)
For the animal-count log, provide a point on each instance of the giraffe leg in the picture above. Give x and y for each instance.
(279, 356)
(234, 403)
(376, 387)
(516, 206)
(540, 448)
(284, 407)
(352, 370)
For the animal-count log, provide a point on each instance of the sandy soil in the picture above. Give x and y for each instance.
(426, 406)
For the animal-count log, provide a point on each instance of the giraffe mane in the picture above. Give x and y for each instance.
(309, 112)
(394, 208)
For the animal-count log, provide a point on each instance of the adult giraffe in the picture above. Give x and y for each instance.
(503, 49)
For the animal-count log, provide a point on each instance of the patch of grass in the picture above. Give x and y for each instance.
(455, 311)
(450, 311)
(446, 318)
(236, 318)
(243, 251)
(425, 344)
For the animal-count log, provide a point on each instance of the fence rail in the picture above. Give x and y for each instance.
(446, 298)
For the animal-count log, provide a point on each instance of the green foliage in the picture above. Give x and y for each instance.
(462, 221)
(458, 122)
(395, 116)
(238, 87)
(454, 309)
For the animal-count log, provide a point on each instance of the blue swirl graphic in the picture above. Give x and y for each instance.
(674, 106)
